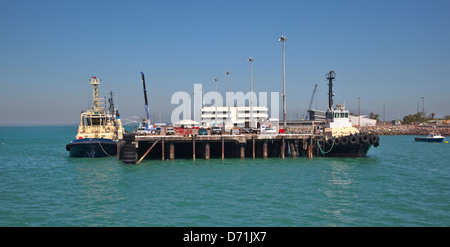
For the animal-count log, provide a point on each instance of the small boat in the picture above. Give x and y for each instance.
(98, 131)
(432, 137)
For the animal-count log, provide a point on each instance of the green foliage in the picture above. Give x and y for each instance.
(374, 116)
(413, 118)
(418, 118)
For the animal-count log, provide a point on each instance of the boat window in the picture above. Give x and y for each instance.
(342, 115)
(95, 121)
(88, 121)
(336, 115)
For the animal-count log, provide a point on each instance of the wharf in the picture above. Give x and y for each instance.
(134, 148)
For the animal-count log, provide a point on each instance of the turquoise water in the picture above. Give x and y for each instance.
(400, 183)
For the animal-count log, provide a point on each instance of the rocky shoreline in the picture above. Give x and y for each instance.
(443, 130)
(421, 130)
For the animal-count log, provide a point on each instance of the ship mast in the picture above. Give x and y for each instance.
(95, 82)
(330, 76)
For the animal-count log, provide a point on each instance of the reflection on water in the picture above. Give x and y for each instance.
(339, 193)
(98, 189)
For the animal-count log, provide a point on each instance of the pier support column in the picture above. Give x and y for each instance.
(253, 145)
(310, 148)
(207, 150)
(242, 150)
(162, 149)
(265, 149)
(223, 148)
(293, 152)
(172, 151)
(283, 147)
(193, 147)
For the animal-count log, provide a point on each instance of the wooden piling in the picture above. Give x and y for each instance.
(283, 148)
(293, 152)
(253, 145)
(265, 149)
(310, 148)
(242, 150)
(223, 148)
(207, 150)
(193, 147)
(172, 151)
(162, 149)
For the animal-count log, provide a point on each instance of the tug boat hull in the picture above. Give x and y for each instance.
(349, 150)
(348, 146)
(92, 148)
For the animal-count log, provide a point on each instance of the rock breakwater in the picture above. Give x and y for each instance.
(443, 130)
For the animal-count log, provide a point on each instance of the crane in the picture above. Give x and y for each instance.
(312, 99)
(147, 127)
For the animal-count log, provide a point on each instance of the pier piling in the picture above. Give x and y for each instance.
(242, 150)
(162, 149)
(193, 147)
(207, 149)
(265, 149)
(293, 152)
(172, 151)
(223, 148)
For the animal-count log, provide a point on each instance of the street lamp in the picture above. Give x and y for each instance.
(283, 39)
(215, 101)
(251, 59)
(228, 108)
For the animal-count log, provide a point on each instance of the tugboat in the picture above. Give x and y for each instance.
(341, 138)
(99, 129)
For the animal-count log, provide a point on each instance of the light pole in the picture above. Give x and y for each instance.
(250, 59)
(283, 39)
(228, 108)
(423, 108)
(359, 113)
(228, 75)
(215, 101)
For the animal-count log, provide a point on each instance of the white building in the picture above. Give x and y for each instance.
(237, 116)
(362, 121)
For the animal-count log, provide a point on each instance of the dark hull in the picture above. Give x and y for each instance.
(349, 150)
(424, 139)
(348, 146)
(92, 148)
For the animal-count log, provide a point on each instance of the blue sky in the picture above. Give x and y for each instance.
(389, 53)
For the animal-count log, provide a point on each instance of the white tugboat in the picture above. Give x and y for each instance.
(344, 140)
(98, 131)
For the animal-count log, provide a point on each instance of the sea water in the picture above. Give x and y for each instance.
(400, 183)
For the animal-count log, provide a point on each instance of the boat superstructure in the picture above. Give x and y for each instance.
(99, 130)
